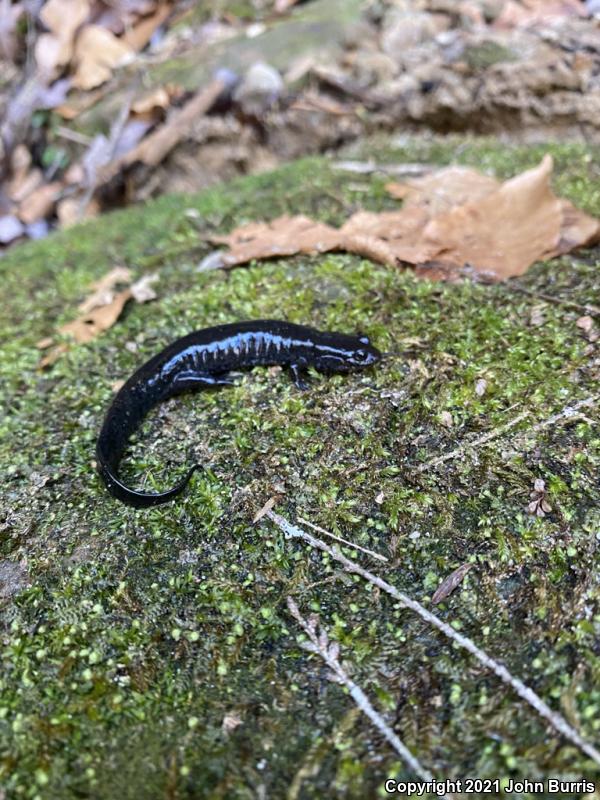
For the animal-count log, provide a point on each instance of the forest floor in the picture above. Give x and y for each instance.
(152, 654)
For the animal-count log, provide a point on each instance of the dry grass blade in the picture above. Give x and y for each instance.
(319, 645)
(556, 720)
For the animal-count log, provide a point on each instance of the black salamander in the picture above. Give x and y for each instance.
(203, 359)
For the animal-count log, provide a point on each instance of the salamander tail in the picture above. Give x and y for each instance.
(141, 499)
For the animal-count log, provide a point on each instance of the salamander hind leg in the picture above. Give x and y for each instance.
(184, 381)
(300, 376)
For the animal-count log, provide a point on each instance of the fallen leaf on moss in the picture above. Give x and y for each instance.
(99, 311)
(443, 189)
(452, 221)
(104, 289)
(142, 291)
(449, 584)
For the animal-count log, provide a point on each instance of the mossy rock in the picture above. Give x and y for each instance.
(134, 642)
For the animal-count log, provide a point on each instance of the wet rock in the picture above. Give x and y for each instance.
(13, 578)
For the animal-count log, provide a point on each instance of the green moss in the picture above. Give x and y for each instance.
(141, 632)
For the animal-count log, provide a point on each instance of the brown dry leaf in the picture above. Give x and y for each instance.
(100, 319)
(281, 6)
(39, 203)
(157, 99)
(452, 222)
(231, 722)
(442, 190)
(99, 311)
(284, 236)
(449, 584)
(26, 186)
(62, 18)
(577, 228)
(138, 37)
(399, 232)
(70, 211)
(104, 289)
(97, 54)
(586, 323)
(506, 231)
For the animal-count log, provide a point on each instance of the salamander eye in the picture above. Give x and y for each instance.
(360, 355)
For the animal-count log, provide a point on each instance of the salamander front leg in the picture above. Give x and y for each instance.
(300, 376)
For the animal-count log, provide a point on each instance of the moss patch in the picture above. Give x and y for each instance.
(140, 632)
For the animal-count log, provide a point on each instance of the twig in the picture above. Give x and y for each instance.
(73, 136)
(568, 412)
(484, 439)
(368, 167)
(593, 311)
(319, 644)
(344, 541)
(556, 720)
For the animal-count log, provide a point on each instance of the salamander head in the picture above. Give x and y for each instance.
(346, 353)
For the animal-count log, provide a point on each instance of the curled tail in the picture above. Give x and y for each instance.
(139, 499)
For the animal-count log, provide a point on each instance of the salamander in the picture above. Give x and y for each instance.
(204, 359)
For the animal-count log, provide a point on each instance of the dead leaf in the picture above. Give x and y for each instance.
(40, 202)
(159, 98)
(498, 229)
(104, 289)
(138, 36)
(70, 211)
(62, 18)
(577, 228)
(97, 54)
(444, 189)
(264, 510)
(506, 231)
(142, 291)
(585, 323)
(449, 584)
(100, 319)
(99, 311)
(25, 185)
(539, 506)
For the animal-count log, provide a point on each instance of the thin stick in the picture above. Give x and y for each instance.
(344, 541)
(593, 311)
(567, 413)
(556, 720)
(484, 439)
(319, 644)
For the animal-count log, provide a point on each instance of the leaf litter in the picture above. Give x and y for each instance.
(99, 311)
(455, 220)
